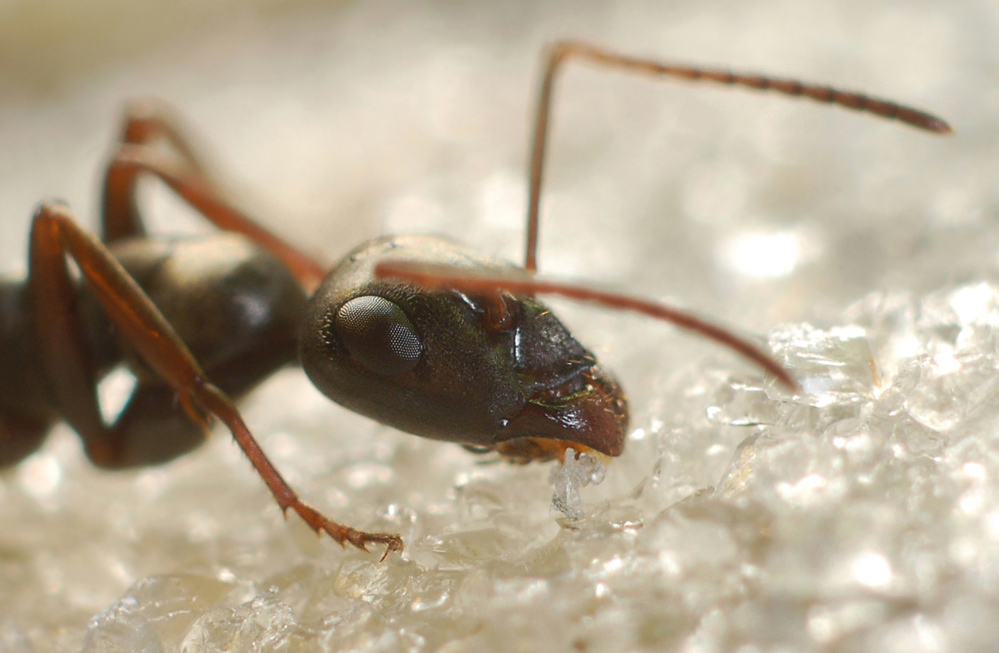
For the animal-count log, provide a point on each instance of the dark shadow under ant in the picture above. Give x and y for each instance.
(415, 332)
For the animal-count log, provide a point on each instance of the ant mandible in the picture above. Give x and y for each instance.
(415, 332)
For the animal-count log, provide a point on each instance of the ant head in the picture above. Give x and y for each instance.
(493, 372)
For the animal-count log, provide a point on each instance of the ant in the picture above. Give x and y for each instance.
(415, 332)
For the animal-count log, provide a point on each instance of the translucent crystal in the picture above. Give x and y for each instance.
(576, 471)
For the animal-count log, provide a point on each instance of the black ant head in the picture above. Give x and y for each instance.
(492, 372)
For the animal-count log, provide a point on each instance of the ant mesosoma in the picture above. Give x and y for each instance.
(415, 332)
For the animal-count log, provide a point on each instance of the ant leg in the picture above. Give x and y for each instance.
(558, 53)
(433, 277)
(54, 236)
(146, 122)
(53, 304)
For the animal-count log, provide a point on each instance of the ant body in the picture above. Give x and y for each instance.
(415, 332)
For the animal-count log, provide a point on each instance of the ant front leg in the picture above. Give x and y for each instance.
(54, 236)
(148, 122)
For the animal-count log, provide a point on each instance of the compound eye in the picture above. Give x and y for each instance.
(378, 335)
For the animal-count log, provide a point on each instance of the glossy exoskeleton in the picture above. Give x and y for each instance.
(415, 332)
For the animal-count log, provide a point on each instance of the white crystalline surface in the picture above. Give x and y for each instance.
(862, 514)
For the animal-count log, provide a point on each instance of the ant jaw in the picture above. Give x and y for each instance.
(589, 414)
(538, 450)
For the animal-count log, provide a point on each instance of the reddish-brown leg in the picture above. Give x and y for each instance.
(56, 235)
(559, 53)
(181, 168)
(450, 277)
